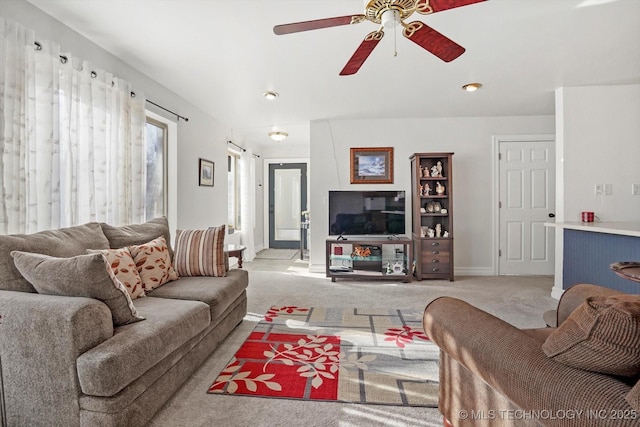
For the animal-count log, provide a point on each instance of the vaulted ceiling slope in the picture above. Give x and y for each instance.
(222, 55)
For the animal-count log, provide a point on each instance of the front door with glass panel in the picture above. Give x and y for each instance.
(287, 200)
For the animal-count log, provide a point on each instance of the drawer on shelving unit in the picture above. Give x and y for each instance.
(435, 269)
(433, 257)
(442, 245)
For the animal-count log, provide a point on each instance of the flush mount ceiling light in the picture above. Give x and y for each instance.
(472, 87)
(278, 135)
(270, 95)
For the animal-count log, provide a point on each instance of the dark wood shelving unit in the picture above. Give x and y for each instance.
(390, 259)
(433, 252)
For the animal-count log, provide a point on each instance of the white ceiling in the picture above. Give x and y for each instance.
(222, 55)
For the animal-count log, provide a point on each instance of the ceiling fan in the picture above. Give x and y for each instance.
(390, 13)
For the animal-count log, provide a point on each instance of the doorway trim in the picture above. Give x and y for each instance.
(265, 190)
(495, 196)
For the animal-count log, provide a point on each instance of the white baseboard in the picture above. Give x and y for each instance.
(473, 271)
(556, 292)
(317, 268)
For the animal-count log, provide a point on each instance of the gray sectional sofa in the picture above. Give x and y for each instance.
(64, 363)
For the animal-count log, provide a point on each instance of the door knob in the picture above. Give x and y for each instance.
(552, 215)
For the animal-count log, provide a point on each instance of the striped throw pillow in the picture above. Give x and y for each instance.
(200, 252)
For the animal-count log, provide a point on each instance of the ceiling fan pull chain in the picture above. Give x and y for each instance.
(395, 43)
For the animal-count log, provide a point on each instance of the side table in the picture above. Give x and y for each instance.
(235, 251)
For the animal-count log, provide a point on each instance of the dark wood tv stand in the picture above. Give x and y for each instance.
(388, 258)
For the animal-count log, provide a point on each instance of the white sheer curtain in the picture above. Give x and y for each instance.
(71, 139)
(247, 202)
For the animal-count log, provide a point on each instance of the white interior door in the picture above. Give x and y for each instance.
(527, 199)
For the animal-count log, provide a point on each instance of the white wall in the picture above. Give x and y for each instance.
(202, 136)
(469, 138)
(600, 144)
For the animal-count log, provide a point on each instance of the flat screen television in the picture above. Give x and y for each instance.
(358, 213)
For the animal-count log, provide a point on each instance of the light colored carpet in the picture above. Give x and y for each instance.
(520, 301)
(283, 254)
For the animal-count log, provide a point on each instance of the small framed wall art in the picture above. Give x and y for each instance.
(206, 173)
(372, 165)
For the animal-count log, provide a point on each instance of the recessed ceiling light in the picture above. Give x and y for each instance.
(270, 95)
(472, 87)
(278, 135)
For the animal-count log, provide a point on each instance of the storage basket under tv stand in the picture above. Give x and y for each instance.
(393, 251)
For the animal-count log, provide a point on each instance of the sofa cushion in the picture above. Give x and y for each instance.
(200, 252)
(539, 334)
(138, 234)
(62, 243)
(153, 263)
(134, 349)
(601, 335)
(79, 276)
(633, 397)
(124, 268)
(218, 293)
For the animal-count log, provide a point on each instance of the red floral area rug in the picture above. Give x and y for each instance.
(334, 354)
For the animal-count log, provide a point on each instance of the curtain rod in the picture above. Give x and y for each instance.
(169, 111)
(242, 148)
(64, 59)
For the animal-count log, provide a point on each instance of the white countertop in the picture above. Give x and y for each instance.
(621, 228)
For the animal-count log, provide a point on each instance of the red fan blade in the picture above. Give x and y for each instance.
(426, 7)
(436, 43)
(297, 27)
(362, 53)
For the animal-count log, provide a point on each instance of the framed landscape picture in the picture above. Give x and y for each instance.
(206, 173)
(372, 165)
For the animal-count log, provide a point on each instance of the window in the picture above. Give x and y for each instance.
(156, 136)
(233, 181)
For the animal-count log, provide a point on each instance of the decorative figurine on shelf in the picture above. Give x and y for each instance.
(439, 188)
(431, 233)
(421, 171)
(424, 231)
(398, 268)
(389, 270)
(426, 190)
(445, 234)
(434, 171)
(438, 230)
(439, 168)
(361, 252)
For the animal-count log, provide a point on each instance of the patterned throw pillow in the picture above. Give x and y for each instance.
(601, 335)
(200, 252)
(79, 276)
(154, 263)
(124, 268)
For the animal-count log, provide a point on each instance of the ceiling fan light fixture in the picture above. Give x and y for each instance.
(270, 95)
(278, 135)
(472, 87)
(390, 18)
